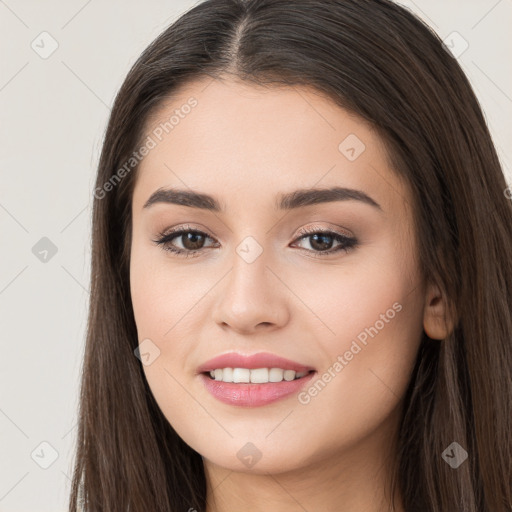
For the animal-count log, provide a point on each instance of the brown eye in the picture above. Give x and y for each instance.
(322, 242)
(192, 241)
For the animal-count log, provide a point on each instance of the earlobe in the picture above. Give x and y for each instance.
(436, 322)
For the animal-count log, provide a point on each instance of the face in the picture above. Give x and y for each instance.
(327, 281)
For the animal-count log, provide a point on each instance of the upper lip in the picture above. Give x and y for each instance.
(259, 360)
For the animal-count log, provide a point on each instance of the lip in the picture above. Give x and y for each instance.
(253, 361)
(248, 394)
(253, 395)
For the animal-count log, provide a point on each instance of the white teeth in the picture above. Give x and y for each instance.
(227, 375)
(289, 375)
(241, 375)
(255, 376)
(259, 376)
(275, 375)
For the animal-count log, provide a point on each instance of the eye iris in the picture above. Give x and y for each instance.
(323, 243)
(196, 240)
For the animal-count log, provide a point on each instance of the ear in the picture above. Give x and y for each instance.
(436, 323)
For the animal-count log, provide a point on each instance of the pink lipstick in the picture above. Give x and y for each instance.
(255, 380)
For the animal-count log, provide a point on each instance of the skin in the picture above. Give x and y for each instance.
(244, 145)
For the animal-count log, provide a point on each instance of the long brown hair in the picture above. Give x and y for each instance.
(379, 61)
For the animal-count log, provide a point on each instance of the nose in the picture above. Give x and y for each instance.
(251, 298)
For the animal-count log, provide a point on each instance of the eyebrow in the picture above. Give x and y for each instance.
(285, 201)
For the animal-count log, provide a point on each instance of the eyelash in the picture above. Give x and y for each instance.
(164, 240)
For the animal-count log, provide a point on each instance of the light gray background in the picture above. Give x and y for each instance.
(54, 113)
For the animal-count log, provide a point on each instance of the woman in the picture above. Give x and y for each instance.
(301, 273)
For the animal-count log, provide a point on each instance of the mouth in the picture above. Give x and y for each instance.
(253, 380)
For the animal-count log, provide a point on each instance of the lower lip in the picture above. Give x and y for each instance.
(253, 395)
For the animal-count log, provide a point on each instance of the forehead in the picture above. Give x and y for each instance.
(230, 137)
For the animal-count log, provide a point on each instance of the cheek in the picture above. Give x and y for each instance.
(167, 299)
(161, 298)
(351, 297)
(373, 312)
(369, 369)
(162, 293)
